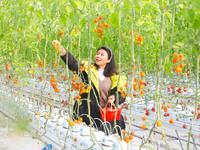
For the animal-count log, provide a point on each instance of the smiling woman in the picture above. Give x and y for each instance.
(104, 59)
(106, 82)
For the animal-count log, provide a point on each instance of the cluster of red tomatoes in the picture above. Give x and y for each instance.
(54, 84)
(180, 65)
(179, 90)
(39, 37)
(101, 24)
(127, 136)
(7, 67)
(61, 33)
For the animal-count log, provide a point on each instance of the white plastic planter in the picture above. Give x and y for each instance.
(63, 133)
(76, 128)
(56, 129)
(65, 124)
(41, 131)
(54, 118)
(84, 131)
(60, 121)
(42, 122)
(98, 135)
(124, 146)
(49, 126)
(107, 140)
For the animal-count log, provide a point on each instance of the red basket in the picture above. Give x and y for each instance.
(109, 114)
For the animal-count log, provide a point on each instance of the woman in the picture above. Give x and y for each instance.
(106, 84)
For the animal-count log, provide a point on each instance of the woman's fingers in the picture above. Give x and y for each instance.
(111, 99)
(55, 43)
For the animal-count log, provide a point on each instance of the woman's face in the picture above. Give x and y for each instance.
(101, 58)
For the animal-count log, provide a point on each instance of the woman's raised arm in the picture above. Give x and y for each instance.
(72, 62)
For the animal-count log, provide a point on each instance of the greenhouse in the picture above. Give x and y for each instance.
(99, 75)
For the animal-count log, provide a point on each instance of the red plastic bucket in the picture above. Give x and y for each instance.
(109, 114)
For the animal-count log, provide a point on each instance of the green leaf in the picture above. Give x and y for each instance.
(20, 73)
(189, 15)
(1, 35)
(31, 71)
(167, 68)
(53, 10)
(39, 13)
(73, 4)
(22, 64)
(79, 4)
(165, 54)
(31, 8)
(196, 24)
(15, 63)
(127, 5)
(114, 20)
(68, 8)
(169, 16)
(26, 83)
(195, 4)
(178, 45)
(173, 5)
(75, 19)
(10, 53)
(174, 46)
(83, 22)
(38, 56)
(17, 69)
(63, 19)
(32, 24)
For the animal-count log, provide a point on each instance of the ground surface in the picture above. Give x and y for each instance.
(13, 140)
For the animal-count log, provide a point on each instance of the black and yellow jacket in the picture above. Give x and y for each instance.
(91, 74)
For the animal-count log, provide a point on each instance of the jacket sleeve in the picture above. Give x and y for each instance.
(72, 62)
(118, 88)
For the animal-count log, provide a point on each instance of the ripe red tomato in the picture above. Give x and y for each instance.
(130, 137)
(141, 86)
(144, 118)
(100, 17)
(178, 69)
(140, 38)
(171, 121)
(175, 60)
(135, 88)
(95, 20)
(159, 123)
(100, 29)
(132, 133)
(142, 74)
(143, 127)
(153, 109)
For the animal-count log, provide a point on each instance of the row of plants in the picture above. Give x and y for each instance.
(159, 39)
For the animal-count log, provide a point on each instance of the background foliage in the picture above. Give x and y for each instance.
(23, 22)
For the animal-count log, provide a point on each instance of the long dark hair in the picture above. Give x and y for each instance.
(111, 67)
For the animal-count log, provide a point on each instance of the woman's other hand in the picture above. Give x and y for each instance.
(111, 99)
(57, 45)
